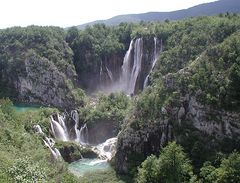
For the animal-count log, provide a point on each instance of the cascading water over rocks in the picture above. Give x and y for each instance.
(48, 142)
(65, 128)
(138, 63)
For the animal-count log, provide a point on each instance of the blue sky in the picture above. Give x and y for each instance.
(65, 13)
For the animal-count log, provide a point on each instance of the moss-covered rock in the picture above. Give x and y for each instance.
(72, 151)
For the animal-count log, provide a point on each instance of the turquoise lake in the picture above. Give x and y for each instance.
(25, 107)
(83, 166)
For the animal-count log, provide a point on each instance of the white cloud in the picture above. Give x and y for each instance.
(74, 12)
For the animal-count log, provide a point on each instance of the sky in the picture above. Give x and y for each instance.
(66, 13)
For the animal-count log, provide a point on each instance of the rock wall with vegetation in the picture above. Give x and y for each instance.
(37, 67)
(192, 98)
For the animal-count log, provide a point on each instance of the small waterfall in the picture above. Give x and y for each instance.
(38, 129)
(75, 117)
(83, 135)
(50, 144)
(101, 72)
(110, 75)
(62, 123)
(58, 130)
(106, 150)
(154, 61)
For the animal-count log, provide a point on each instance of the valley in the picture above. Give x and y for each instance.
(148, 102)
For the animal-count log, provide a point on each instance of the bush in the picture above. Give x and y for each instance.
(172, 167)
(23, 171)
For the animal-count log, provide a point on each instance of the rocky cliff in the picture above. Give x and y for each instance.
(190, 124)
(178, 108)
(38, 67)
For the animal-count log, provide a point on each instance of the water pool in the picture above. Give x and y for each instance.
(25, 107)
(83, 166)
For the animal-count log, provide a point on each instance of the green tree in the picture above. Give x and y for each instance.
(171, 167)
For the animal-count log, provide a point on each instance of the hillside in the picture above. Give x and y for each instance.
(207, 9)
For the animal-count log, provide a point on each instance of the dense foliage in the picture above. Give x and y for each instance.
(200, 59)
(114, 107)
(172, 166)
(23, 156)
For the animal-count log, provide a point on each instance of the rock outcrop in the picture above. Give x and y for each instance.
(43, 83)
(190, 117)
(37, 67)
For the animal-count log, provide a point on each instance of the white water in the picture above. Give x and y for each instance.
(83, 135)
(38, 129)
(49, 142)
(155, 58)
(130, 74)
(106, 150)
(58, 130)
(110, 75)
(126, 68)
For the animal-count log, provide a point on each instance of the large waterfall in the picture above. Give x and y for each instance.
(130, 71)
(138, 63)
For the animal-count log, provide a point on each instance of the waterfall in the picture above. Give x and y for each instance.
(75, 117)
(110, 75)
(129, 75)
(38, 129)
(136, 65)
(62, 132)
(62, 123)
(154, 61)
(50, 144)
(83, 135)
(58, 130)
(106, 150)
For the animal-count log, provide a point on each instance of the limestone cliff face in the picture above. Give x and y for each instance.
(37, 67)
(44, 83)
(41, 81)
(179, 122)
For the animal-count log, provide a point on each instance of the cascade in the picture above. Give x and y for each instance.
(126, 67)
(155, 58)
(61, 131)
(130, 74)
(83, 135)
(136, 65)
(58, 130)
(106, 150)
(110, 75)
(38, 129)
(75, 117)
(50, 144)
(62, 123)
